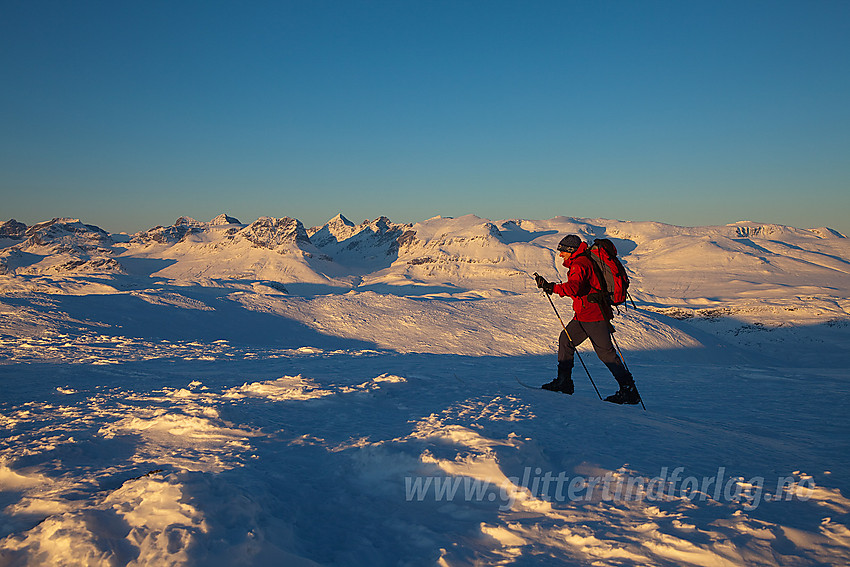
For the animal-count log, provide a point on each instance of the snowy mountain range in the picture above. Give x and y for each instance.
(669, 264)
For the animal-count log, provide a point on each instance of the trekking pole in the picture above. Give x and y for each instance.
(623, 360)
(552, 303)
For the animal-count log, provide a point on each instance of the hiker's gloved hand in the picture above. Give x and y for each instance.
(548, 287)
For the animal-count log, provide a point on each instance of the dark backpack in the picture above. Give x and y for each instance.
(610, 272)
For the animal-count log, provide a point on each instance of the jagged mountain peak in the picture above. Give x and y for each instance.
(372, 243)
(12, 229)
(223, 219)
(271, 232)
(61, 245)
(265, 232)
(383, 223)
(168, 234)
(339, 233)
(340, 219)
(188, 221)
(66, 232)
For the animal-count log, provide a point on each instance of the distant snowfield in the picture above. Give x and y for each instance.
(229, 394)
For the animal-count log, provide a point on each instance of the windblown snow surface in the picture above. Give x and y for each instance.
(219, 393)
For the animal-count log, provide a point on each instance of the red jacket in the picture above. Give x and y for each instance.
(581, 280)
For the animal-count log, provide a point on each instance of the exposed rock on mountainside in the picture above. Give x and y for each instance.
(59, 246)
(349, 244)
(67, 235)
(183, 228)
(749, 229)
(271, 233)
(12, 229)
(178, 232)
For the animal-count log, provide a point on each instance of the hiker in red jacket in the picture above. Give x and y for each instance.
(591, 320)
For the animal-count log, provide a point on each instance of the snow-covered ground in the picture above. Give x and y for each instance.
(266, 394)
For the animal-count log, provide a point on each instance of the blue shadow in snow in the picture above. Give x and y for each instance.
(214, 317)
(144, 267)
(511, 233)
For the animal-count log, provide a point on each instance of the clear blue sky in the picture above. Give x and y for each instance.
(128, 114)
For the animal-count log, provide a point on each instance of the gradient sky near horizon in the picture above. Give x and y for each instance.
(129, 114)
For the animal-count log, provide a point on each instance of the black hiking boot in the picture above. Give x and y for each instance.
(627, 394)
(560, 384)
(564, 382)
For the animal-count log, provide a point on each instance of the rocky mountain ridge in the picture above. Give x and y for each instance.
(58, 246)
(438, 255)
